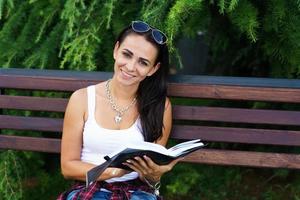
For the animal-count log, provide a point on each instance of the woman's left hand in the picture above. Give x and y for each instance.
(148, 169)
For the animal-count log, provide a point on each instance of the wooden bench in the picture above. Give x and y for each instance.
(234, 131)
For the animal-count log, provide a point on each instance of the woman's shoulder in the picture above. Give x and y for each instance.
(77, 102)
(79, 94)
(100, 89)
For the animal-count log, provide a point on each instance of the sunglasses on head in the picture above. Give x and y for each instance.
(142, 27)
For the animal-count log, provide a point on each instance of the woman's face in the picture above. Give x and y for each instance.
(134, 59)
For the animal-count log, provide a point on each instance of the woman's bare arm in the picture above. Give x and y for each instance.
(71, 165)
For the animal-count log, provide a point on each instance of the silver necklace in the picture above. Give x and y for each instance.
(114, 106)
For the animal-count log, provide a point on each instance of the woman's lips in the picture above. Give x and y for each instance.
(126, 75)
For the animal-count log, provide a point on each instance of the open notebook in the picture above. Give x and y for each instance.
(159, 154)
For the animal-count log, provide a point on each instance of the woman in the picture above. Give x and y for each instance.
(130, 107)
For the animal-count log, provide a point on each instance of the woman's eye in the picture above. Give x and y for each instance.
(127, 55)
(143, 63)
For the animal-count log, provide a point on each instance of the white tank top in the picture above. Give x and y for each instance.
(99, 142)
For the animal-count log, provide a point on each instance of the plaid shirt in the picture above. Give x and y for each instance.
(120, 190)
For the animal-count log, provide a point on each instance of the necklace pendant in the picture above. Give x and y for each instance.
(118, 119)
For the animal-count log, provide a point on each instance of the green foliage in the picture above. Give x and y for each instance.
(44, 55)
(260, 38)
(245, 18)
(6, 6)
(154, 12)
(10, 173)
(183, 182)
(80, 51)
(179, 12)
(282, 33)
(227, 6)
(44, 185)
(23, 176)
(190, 181)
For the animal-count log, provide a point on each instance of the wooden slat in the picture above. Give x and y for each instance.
(231, 88)
(175, 90)
(235, 115)
(245, 158)
(180, 79)
(41, 83)
(50, 145)
(213, 134)
(30, 123)
(237, 135)
(180, 112)
(235, 81)
(56, 80)
(206, 156)
(33, 103)
(235, 93)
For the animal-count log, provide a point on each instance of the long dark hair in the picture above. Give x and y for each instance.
(152, 91)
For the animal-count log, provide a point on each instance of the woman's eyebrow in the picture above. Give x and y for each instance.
(143, 59)
(128, 51)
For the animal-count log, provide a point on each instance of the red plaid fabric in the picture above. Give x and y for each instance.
(120, 190)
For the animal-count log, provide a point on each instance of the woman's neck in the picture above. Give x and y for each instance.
(122, 92)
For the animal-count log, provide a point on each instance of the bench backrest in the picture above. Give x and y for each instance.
(234, 131)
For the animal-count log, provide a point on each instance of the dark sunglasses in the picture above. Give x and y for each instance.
(142, 27)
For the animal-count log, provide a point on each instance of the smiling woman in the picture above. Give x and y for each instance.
(135, 59)
(131, 107)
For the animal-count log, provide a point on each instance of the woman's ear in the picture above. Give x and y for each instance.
(116, 49)
(154, 69)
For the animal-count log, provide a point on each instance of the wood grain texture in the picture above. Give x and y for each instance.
(33, 103)
(237, 135)
(231, 88)
(206, 133)
(237, 115)
(245, 158)
(31, 123)
(42, 83)
(216, 114)
(204, 156)
(49, 145)
(270, 94)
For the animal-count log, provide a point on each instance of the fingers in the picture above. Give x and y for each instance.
(141, 162)
(135, 165)
(150, 163)
(142, 166)
(146, 167)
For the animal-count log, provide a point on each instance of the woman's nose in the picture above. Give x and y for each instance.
(131, 65)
